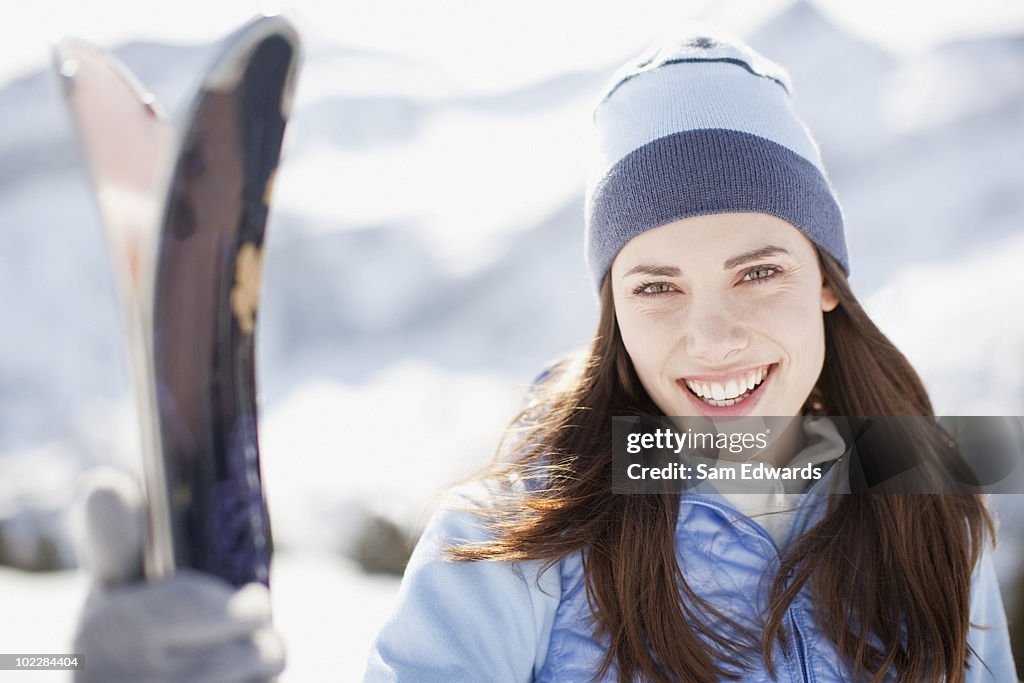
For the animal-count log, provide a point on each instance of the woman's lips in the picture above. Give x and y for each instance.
(727, 386)
(735, 405)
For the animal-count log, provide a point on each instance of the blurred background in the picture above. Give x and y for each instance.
(424, 257)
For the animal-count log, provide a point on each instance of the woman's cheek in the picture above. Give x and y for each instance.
(789, 312)
(805, 329)
(649, 337)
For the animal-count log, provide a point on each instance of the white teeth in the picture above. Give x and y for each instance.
(734, 391)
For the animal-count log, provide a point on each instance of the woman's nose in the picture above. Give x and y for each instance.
(713, 336)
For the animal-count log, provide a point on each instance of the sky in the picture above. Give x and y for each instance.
(480, 43)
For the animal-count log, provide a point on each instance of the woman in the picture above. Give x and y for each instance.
(717, 247)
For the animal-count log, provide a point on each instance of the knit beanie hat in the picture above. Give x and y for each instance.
(703, 125)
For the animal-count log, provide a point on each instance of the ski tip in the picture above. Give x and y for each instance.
(228, 67)
(74, 57)
(276, 22)
(65, 59)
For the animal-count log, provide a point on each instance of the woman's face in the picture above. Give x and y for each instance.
(722, 314)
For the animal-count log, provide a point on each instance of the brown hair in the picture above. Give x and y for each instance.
(895, 566)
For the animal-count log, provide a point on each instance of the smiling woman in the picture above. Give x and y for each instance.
(717, 246)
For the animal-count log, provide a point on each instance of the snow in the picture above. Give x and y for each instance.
(960, 311)
(380, 448)
(954, 82)
(314, 599)
(328, 612)
(44, 605)
(359, 154)
(424, 263)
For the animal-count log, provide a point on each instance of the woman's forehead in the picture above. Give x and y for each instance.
(714, 236)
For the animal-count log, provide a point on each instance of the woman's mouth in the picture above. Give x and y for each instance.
(728, 391)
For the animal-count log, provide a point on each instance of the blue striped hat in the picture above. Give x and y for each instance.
(703, 125)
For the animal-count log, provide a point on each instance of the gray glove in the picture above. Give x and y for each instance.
(190, 627)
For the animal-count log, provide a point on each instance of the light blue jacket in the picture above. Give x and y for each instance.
(495, 621)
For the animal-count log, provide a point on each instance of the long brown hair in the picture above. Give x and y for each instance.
(895, 566)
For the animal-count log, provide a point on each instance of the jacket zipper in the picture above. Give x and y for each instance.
(798, 644)
(798, 639)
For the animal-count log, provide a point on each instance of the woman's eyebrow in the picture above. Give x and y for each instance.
(662, 271)
(753, 255)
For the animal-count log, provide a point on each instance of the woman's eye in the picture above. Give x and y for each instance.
(653, 288)
(761, 273)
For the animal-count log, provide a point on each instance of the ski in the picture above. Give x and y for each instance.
(184, 211)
